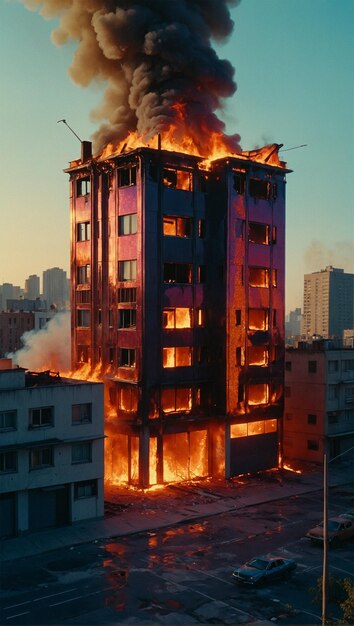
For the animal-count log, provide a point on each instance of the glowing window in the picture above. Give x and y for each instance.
(175, 400)
(177, 179)
(174, 226)
(255, 428)
(258, 233)
(177, 272)
(258, 394)
(201, 317)
(177, 356)
(270, 426)
(177, 318)
(238, 430)
(128, 398)
(258, 355)
(258, 319)
(259, 277)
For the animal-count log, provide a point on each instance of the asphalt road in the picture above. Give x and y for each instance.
(181, 575)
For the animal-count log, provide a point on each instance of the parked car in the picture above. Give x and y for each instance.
(262, 569)
(339, 529)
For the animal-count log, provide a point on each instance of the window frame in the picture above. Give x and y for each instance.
(84, 417)
(131, 221)
(80, 459)
(41, 424)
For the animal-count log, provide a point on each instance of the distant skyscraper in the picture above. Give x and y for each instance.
(328, 303)
(293, 326)
(32, 287)
(8, 291)
(55, 287)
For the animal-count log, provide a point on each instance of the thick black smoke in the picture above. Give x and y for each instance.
(156, 59)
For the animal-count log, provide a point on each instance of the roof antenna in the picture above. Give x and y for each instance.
(69, 127)
(303, 145)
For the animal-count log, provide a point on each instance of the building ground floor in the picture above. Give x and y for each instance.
(38, 509)
(185, 449)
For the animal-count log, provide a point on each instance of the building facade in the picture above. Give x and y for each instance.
(319, 401)
(13, 324)
(32, 289)
(177, 275)
(51, 450)
(328, 303)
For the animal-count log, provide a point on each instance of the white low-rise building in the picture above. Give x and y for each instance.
(51, 450)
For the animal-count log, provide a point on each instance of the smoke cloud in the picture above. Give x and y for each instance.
(318, 256)
(156, 60)
(48, 348)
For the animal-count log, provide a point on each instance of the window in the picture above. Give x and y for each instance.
(202, 355)
(83, 274)
(81, 452)
(177, 226)
(201, 229)
(41, 417)
(239, 182)
(127, 224)
(85, 489)
(177, 318)
(178, 179)
(258, 356)
(176, 357)
(333, 417)
(83, 318)
(127, 176)
(83, 186)
(241, 393)
(8, 420)
(127, 318)
(238, 317)
(83, 296)
(259, 277)
(8, 462)
(349, 394)
(84, 231)
(176, 399)
(83, 354)
(250, 429)
(41, 457)
(262, 189)
(258, 233)
(127, 270)
(258, 319)
(258, 394)
(333, 392)
(201, 315)
(333, 366)
(177, 272)
(311, 418)
(81, 413)
(239, 356)
(127, 294)
(348, 365)
(312, 444)
(312, 367)
(288, 365)
(128, 398)
(201, 274)
(126, 357)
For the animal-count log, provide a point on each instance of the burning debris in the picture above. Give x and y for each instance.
(161, 73)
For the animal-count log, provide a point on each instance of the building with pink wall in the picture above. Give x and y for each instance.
(177, 296)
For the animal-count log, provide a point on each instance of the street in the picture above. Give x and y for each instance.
(182, 574)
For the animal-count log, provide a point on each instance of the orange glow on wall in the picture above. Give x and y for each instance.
(153, 460)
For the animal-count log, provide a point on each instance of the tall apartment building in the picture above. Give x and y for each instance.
(8, 291)
(13, 324)
(177, 294)
(55, 287)
(51, 450)
(328, 303)
(32, 290)
(319, 401)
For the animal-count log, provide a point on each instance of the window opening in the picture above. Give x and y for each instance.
(174, 226)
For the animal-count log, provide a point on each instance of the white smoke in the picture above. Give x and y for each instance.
(340, 254)
(48, 348)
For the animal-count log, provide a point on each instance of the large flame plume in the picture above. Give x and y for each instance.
(156, 59)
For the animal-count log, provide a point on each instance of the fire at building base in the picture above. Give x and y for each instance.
(177, 274)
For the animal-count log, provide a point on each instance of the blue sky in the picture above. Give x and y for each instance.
(294, 62)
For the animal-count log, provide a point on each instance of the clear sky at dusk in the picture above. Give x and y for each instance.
(294, 62)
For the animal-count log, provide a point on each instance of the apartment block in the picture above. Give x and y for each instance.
(319, 401)
(177, 298)
(51, 450)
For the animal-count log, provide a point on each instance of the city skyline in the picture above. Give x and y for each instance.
(292, 65)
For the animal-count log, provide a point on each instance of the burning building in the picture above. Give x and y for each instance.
(177, 295)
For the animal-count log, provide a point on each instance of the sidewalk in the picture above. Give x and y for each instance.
(129, 512)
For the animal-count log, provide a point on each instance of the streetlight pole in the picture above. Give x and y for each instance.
(325, 528)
